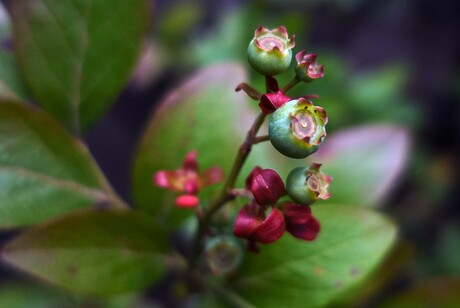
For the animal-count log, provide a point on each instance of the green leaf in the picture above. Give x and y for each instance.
(365, 162)
(295, 273)
(204, 114)
(44, 172)
(77, 54)
(94, 252)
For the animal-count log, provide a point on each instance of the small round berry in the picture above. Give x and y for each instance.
(223, 254)
(307, 69)
(297, 128)
(306, 185)
(269, 52)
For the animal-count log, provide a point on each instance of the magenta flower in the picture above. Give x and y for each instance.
(307, 69)
(300, 222)
(188, 179)
(266, 185)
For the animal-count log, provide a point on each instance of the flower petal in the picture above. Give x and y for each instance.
(271, 101)
(305, 231)
(190, 162)
(211, 176)
(271, 229)
(173, 180)
(295, 213)
(246, 222)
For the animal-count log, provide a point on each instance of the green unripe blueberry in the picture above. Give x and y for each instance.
(307, 69)
(223, 254)
(297, 128)
(307, 184)
(269, 52)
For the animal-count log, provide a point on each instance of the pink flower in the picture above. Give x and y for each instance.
(188, 179)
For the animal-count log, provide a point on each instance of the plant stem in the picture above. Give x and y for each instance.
(291, 84)
(263, 138)
(240, 159)
(225, 194)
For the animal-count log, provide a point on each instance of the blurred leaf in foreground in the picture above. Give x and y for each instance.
(93, 252)
(44, 171)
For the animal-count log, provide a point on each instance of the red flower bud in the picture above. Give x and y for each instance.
(266, 185)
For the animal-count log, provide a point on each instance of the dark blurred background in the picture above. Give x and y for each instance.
(386, 61)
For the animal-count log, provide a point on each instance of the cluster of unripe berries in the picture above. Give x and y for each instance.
(296, 129)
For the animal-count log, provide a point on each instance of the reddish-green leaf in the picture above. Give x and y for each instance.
(44, 171)
(204, 114)
(365, 162)
(95, 252)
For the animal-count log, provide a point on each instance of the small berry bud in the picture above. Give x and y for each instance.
(307, 69)
(306, 185)
(297, 128)
(223, 254)
(266, 185)
(269, 52)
